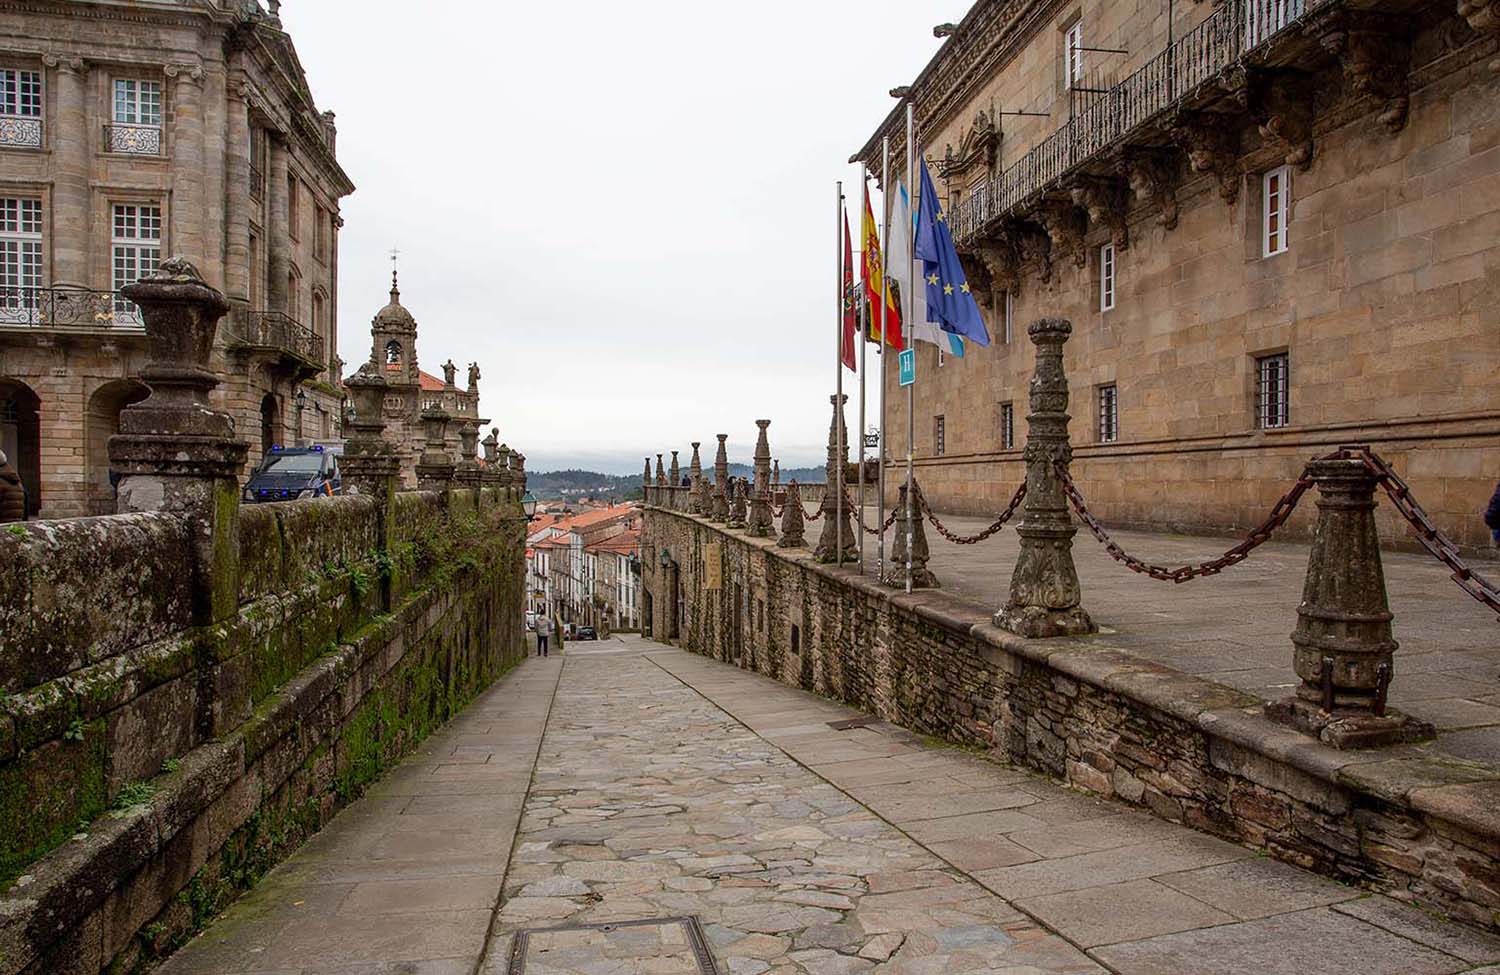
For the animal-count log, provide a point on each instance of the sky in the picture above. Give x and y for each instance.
(622, 211)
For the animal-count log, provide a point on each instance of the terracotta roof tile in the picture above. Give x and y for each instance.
(429, 382)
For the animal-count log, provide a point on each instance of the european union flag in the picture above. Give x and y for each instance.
(949, 299)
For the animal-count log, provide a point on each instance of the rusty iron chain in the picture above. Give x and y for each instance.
(868, 530)
(955, 538)
(1256, 537)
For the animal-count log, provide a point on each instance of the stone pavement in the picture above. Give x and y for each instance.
(678, 806)
(1234, 628)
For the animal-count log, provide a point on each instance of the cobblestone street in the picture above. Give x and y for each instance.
(629, 808)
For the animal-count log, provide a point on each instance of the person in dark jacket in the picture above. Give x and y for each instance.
(1492, 515)
(12, 492)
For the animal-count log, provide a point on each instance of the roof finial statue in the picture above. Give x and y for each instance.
(395, 291)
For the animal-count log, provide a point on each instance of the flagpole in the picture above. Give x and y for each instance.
(838, 366)
(885, 237)
(911, 182)
(859, 496)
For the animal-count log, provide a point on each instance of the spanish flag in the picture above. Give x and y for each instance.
(877, 288)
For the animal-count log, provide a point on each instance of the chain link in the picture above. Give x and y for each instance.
(1257, 536)
(868, 530)
(956, 539)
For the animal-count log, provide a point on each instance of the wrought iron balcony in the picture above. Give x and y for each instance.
(20, 131)
(139, 140)
(67, 307)
(1235, 29)
(277, 333)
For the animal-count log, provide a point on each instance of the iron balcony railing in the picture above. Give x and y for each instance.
(67, 307)
(1232, 31)
(139, 140)
(276, 330)
(21, 131)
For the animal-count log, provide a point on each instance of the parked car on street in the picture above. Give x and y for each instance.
(290, 473)
(586, 633)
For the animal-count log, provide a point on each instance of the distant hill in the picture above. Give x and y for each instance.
(568, 484)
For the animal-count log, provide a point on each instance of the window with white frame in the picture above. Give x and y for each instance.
(20, 108)
(1272, 391)
(1007, 426)
(1073, 55)
(1276, 202)
(1109, 413)
(136, 116)
(1107, 277)
(20, 258)
(135, 249)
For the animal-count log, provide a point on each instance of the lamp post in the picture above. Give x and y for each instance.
(301, 407)
(528, 505)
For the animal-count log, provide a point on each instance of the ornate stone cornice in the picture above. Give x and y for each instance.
(185, 73)
(65, 63)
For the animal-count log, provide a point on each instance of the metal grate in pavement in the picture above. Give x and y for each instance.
(677, 945)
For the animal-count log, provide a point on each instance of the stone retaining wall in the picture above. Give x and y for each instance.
(154, 764)
(1424, 828)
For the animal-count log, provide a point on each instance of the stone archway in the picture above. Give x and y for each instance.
(271, 429)
(21, 437)
(102, 421)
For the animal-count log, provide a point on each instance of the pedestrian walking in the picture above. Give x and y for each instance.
(543, 632)
(12, 492)
(1492, 516)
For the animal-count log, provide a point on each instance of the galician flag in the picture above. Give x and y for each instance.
(950, 303)
(915, 305)
(877, 287)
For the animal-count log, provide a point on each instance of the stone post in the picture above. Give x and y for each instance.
(1044, 591)
(737, 506)
(1344, 648)
(674, 475)
(491, 446)
(370, 465)
(836, 522)
(776, 473)
(792, 524)
(69, 134)
(646, 483)
(721, 481)
(695, 475)
(921, 576)
(661, 477)
(468, 472)
(759, 523)
(435, 466)
(674, 485)
(174, 452)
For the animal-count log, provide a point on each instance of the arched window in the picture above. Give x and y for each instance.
(393, 353)
(294, 294)
(319, 315)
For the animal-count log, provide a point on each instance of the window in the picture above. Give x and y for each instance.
(320, 240)
(1007, 426)
(1009, 315)
(1107, 277)
(20, 108)
(137, 117)
(1073, 55)
(257, 163)
(939, 436)
(135, 239)
(318, 314)
(941, 357)
(1272, 395)
(20, 258)
(291, 207)
(1276, 198)
(1109, 413)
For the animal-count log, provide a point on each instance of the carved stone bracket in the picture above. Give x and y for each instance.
(1002, 261)
(1034, 246)
(1484, 17)
(1212, 147)
(1375, 53)
(1107, 201)
(1281, 105)
(1066, 224)
(1152, 175)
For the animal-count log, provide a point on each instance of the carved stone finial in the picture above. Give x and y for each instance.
(759, 524)
(837, 542)
(721, 481)
(793, 520)
(913, 529)
(674, 474)
(737, 507)
(661, 473)
(646, 475)
(1044, 590)
(695, 481)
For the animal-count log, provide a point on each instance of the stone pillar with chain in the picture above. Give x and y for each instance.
(695, 480)
(792, 520)
(435, 466)
(836, 523)
(1344, 647)
(921, 576)
(759, 524)
(721, 481)
(1045, 595)
(737, 506)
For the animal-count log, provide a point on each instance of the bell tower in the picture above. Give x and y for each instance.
(394, 345)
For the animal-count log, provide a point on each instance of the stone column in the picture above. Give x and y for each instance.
(370, 464)
(674, 485)
(661, 477)
(188, 202)
(836, 522)
(278, 230)
(71, 136)
(759, 524)
(237, 194)
(468, 472)
(175, 453)
(674, 474)
(737, 505)
(695, 475)
(792, 520)
(721, 481)
(1344, 648)
(1044, 591)
(921, 576)
(435, 466)
(646, 483)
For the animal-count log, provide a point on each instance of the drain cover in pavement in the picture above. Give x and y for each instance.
(849, 723)
(661, 946)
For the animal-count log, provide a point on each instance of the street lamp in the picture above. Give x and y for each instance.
(528, 504)
(301, 405)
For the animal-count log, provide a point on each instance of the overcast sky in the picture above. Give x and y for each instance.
(622, 211)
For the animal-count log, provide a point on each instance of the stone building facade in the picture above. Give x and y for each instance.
(130, 132)
(1273, 224)
(411, 391)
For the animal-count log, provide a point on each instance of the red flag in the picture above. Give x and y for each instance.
(851, 326)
